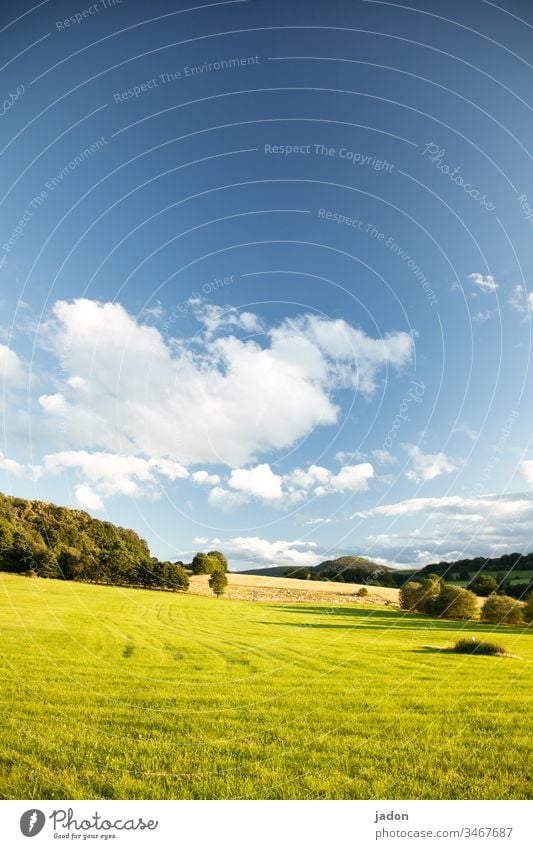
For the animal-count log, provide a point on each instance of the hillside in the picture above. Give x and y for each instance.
(366, 567)
(47, 541)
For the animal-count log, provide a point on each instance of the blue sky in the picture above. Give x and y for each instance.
(266, 274)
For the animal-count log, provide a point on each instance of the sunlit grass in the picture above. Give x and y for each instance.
(117, 693)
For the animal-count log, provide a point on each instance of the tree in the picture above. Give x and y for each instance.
(220, 557)
(218, 581)
(429, 592)
(455, 603)
(502, 609)
(174, 576)
(410, 595)
(203, 564)
(483, 585)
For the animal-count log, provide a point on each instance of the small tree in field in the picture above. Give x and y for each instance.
(502, 609)
(218, 581)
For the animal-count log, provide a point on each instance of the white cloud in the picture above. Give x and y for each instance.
(203, 478)
(456, 506)
(520, 300)
(11, 370)
(261, 552)
(87, 499)
(426, 467)
(526, 467)
(468, 431)
(216, 318)
(260, 482)
(106, 474)
(451, 527)
(383, 456)
(12, 467)
(226, 500)
(485, 283)
(242, 398)
(349, 479)
(200, 540)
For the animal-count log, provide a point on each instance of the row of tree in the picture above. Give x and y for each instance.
(437, 598)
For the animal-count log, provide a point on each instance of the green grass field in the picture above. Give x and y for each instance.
(119, 693)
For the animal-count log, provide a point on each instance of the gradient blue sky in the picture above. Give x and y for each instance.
(288, 355)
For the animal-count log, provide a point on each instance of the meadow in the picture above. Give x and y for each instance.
(110, 692)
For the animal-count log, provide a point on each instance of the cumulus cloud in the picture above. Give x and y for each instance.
(13, 467)
(261, 483)
(203, 478)
(457, 527)
(11, 369)
(223, 400)
(484, 282)
(87, 499)
(106, 474)
(426, 467)
(262, 552)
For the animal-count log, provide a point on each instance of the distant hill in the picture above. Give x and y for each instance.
(47, 541)
(350, 569)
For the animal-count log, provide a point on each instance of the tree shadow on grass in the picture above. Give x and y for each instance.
(365, 618)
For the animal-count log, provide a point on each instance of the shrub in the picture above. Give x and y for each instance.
(455, 603)
(409, 595)
(362, 592)
(474, 646)
(502, 609)
(528, 610)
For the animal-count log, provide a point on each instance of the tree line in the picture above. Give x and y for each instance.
(47, 541)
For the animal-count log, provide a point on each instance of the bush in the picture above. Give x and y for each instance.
(409, 595)
(528, 610)
(455, 603)
(362, 592)
(474, 646)
(502, 609)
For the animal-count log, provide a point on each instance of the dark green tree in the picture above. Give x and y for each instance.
(502, 610)
(218, 581)
(203, 564)
(222, 559)
(483, 585)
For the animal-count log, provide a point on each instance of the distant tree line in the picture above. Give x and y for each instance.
(40, 539)
(485, 575)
